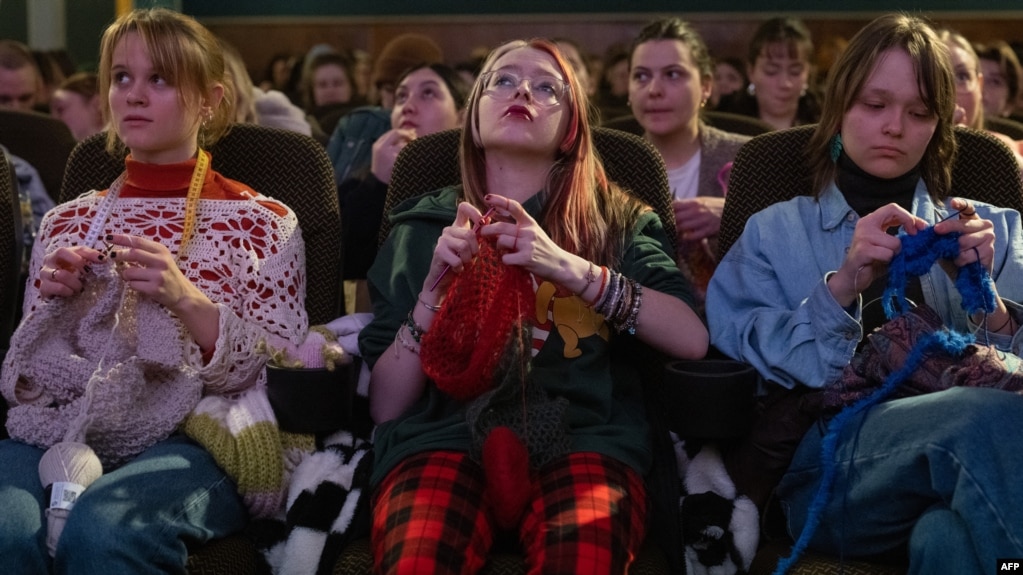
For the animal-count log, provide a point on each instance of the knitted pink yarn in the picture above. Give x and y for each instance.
(105, 368)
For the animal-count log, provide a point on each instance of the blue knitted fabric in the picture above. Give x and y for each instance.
(918, 254)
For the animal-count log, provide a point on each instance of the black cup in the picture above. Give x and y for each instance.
(311, 400)
(710, 398)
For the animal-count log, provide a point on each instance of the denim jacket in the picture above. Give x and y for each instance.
(768, 303)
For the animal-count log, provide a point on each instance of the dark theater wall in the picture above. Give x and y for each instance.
(264, 8)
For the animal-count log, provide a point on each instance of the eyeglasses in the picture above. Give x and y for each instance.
(545, 90)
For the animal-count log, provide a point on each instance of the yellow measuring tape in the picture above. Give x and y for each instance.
(202, 164)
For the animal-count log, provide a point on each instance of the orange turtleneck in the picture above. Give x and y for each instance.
(171, 181)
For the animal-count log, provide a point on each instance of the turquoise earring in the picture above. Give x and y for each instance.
(836, 147)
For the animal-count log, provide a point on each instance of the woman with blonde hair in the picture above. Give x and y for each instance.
(143, 312)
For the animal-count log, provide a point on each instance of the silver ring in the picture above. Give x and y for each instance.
(53, 275)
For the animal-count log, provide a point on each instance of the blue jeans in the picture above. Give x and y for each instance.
(939, 475)
(140, 518)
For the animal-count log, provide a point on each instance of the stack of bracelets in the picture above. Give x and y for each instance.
(414, 329)
(618, 299)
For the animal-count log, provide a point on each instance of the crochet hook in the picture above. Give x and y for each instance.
(475, 228)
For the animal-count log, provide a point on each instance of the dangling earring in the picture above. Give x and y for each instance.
(836, 147)
(204, 126)
(803, 91)
(751, 89)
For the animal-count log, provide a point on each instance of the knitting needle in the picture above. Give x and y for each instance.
(475, 228)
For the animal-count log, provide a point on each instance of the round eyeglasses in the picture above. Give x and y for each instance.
(544, 90)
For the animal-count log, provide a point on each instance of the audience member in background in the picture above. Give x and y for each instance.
(969, 83)
(931, 478)
(825, 56)
(778, 63)
(20, 81)
(362, 73)
(278, 72)
(329, 89)
(1002, 78)
(429, 99)
(78, 104)
(54, 67)
(20, 86)
(729, 77)
(350, 145)
(398, 55)
(469, 69)
(450, 473)
(572, 52)
(35, 202)
(252, 105)
(670, 80)
(612, 99)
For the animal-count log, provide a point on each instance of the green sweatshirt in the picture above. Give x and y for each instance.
(605, 413)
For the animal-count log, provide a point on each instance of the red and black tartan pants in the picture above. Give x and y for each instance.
(431, 515)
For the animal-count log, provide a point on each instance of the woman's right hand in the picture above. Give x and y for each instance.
(385, 151)
(458, 245)
(63, 271)
(871, 250)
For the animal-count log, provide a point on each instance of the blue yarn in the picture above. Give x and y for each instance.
(918, 254)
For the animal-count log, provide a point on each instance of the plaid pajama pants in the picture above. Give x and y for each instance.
(430, 515)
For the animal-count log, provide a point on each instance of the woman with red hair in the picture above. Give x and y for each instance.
(500, 401)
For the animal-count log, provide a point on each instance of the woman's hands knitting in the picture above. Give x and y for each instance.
(871, 249)
(976, 236)
(63, 271)
(516, 233)
(150, 269)
(524, 242)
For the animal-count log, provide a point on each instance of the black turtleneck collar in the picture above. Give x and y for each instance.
(866, 193)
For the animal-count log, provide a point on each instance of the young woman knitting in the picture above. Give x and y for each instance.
(498, 304)
(932, 477)
(144, 299)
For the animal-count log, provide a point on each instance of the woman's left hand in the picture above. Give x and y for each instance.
(151, 270)
(977, 235)
(524, 242)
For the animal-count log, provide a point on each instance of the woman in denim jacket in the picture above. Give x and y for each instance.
(937, 473)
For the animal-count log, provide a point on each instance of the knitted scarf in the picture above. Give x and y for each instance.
(478, 351)
(486, 304)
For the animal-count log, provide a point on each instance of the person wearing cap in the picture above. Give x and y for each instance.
(351, 143)
(399, 54)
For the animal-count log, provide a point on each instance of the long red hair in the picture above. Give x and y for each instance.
(583, 212)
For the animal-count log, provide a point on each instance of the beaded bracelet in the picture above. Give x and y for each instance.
(398, 338)
(637, 300)
(414, 329)
(620, 303)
